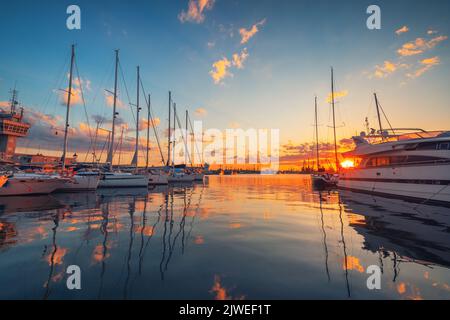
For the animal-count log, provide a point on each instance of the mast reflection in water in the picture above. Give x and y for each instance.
(234, 237)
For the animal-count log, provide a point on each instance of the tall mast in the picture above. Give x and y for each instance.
(186, 137)
(136, 148)
(69, 95)
(174, 129)
(148, 129)
(169, 133)
(317, 136)
(111, 145)
(334, 120)
(120, 145)
(378, 113)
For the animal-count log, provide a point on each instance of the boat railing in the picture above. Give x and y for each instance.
(400, 135)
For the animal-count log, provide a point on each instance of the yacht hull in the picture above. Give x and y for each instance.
(425, 183)
(17, 186)
(123, 181)
(81, 183)
(187, 178)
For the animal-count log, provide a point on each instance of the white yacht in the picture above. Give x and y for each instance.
(414, 165)
(31, 183)
(123, 180)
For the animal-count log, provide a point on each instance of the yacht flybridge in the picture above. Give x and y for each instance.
(409, 163)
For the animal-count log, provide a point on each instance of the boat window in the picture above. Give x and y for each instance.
(427, 146)
(422, 159)
(444, 146)
(398, 159)
(383, 161)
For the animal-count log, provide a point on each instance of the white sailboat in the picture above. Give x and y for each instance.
(31, 184)
(323, 180)
(115, 179)
(155, 177)
(81, 181)
(177, 175)
(412, 164)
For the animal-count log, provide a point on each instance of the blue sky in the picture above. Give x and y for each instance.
(286, 62)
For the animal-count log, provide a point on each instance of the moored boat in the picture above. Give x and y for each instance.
(123, 180)
(414, 166)
(157, 178)
(31, 184)
(82, 181)
(179, 176)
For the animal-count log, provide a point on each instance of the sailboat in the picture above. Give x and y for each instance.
(198, 173)
(117, 179)
(86, 181)
(177, 175)
(322, 180)
(155, 176)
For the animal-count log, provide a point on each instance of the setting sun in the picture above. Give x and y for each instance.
(347, 164)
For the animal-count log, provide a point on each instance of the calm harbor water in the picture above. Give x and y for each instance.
(233, 237)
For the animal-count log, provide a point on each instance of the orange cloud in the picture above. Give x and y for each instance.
(247, 34)
(76, 97)
(144, 123)
(239, 59)
(4, 104)
(109, 99)
(195, 11)
(426, 65)
(200, 112)
(419, 46)
(337, 95)
(387, 68)
(221, 67)
(403, 29)
(220, 70)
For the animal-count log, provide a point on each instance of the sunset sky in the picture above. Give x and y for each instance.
(232, 63)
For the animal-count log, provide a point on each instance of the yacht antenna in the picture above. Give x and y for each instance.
(14, 100)
(378, 113)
